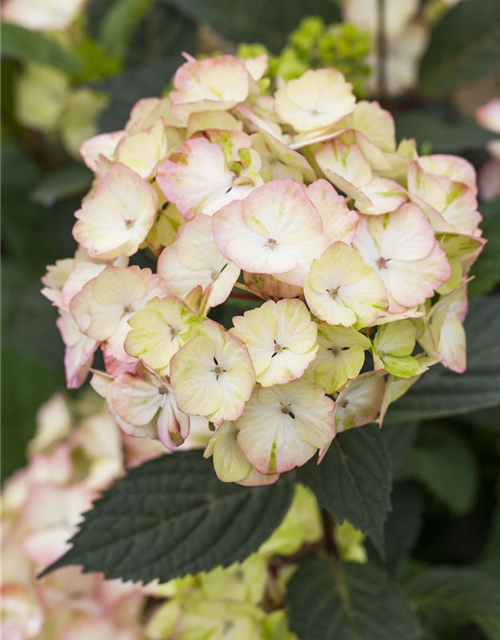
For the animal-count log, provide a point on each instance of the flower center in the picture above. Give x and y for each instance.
(162, 390)
(382, 262)
(333, 292)
(173, 332)
(287, 411)
(344, 403)
(271, 243)
(215, 275)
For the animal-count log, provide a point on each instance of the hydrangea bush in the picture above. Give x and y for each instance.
(351, 253)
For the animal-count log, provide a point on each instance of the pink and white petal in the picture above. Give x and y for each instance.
(452, 167)
(339, 222)
(411, 282)
(384, 195)
(101, 146)
(135, 399)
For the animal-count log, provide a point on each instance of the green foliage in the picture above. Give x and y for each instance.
(255, 20)
(69, 180)
(464, 45)
(467, 595)
(445, 464)
(438, 135)
(172, 516)
(29, 46)
(444, 393)
(119, 23)
(354, 481)
(328, 600)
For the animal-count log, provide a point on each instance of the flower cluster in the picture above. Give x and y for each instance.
(354, 254)
(77, 452)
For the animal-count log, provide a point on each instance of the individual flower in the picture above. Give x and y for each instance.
(342, 290)
(144, 406)
(451, 206)
(193, 260)
(340, 356)
(230, 463)
(117, 216)
(212, 375)
(444, 337)
(275, 230)
(206, 85)
(106, 303)
(339, 222)
(159, 330)
(207, 172)
(348, 169)
(393, 346)
(316, 100)
(281, 339)
(282, 427)
(402, 248)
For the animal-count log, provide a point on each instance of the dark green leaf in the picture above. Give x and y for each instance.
(172, 516)
(119, 23)
(441, 392)
(70, 180)
(439, 135)
(399, 439)
(347, 601)
(30, 46)
(464, 45)
(403, 524)
(467, 594)
(445, 464)
(256, 20)
(354, 481)
(486, 271)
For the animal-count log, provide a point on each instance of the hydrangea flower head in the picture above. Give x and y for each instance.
(306, 269)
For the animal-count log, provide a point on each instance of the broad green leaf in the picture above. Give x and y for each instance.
(444, 463)
(256, 20)
(119, 22)
(30, 46)
(464, 45)
(347, 601)
(441, 392)
(486, 271)
(354, 480)
(468, 595)
(399, 440)
(403, 523)
(172, 516)
(72, 179)
(438, 135)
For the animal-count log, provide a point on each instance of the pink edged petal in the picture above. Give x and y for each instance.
(194, 260)
(411, 282)
(347, 168)
(452, 167)
(100, 148)
(117, 216)
(211, 84)
(318, 99)
(195, 177)
(384, 195)
(339, 222)
(360, 401)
